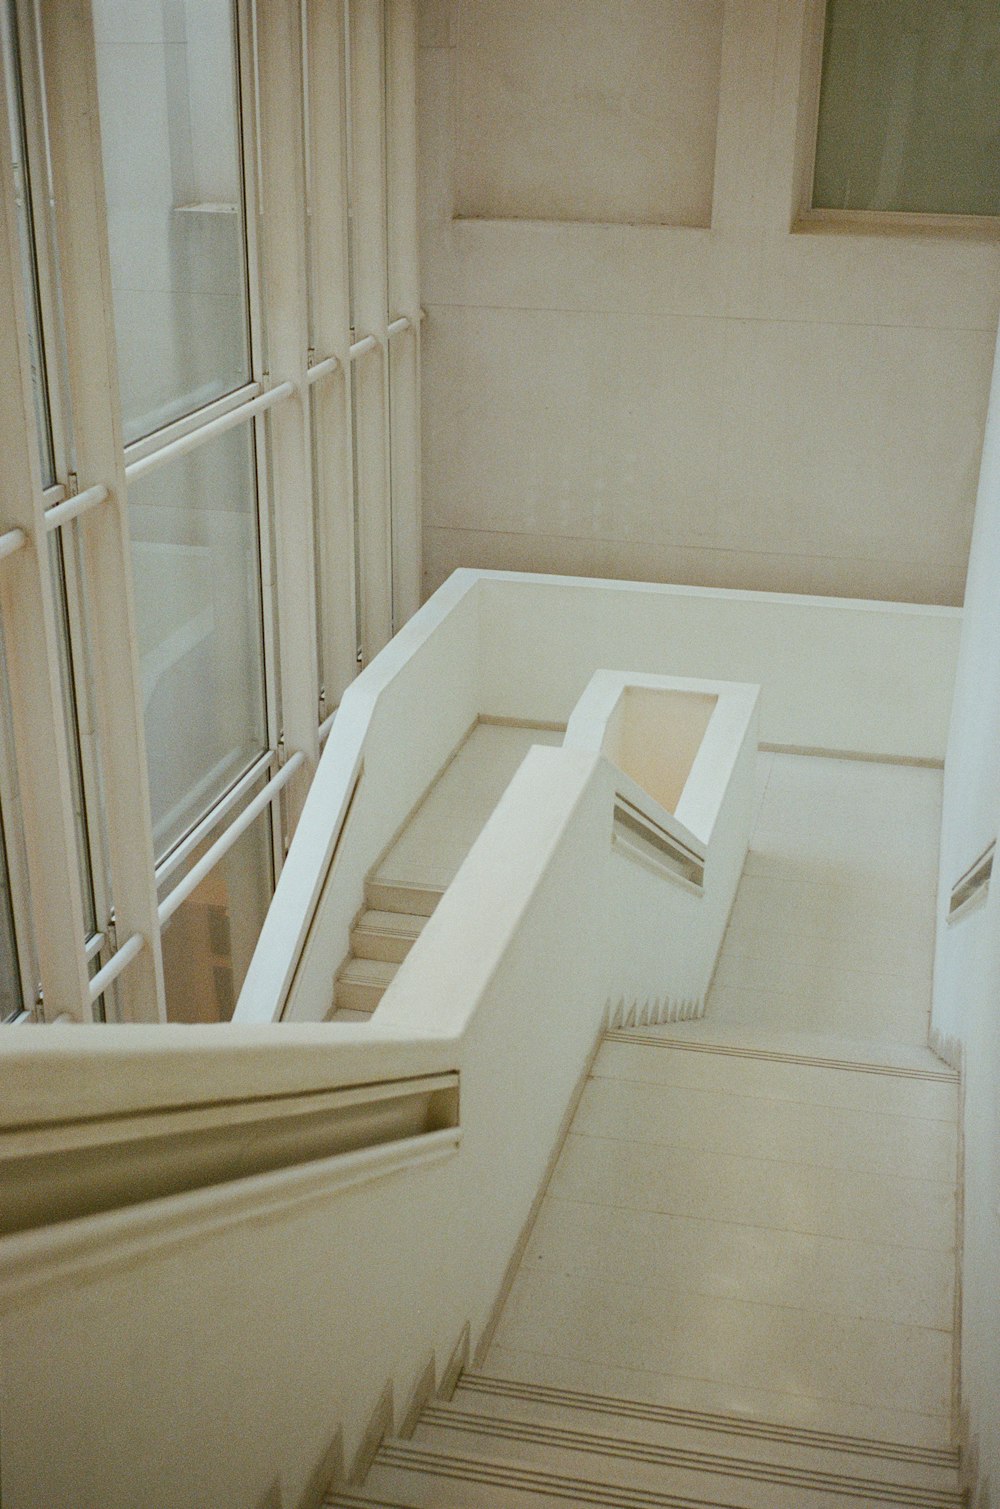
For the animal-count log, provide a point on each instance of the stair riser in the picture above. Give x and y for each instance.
(655, 1477)
(733, 1443)
(383, 897)
(389, 948)
(351, 995)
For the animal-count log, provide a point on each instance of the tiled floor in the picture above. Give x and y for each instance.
(733, 1226)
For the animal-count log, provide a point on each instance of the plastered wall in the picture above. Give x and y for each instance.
(727, 404)
(965, 1013)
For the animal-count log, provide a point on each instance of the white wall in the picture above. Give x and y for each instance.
(734, 406)
(858, 677)
(967, 962)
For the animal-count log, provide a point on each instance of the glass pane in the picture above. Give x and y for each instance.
(22, 190)
(168, 86)
(910, 108)
(75, 703)
(10, 979)
(209, 941)
(195, 565)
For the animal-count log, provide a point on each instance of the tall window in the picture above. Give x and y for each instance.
(909, 116)
(209, 568)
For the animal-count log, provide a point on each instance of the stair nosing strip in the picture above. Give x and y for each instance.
(940, 1456)
(846, 1485)
(774, 1055)
(411, 1458)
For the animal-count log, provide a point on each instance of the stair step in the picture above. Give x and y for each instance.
(388, 936)
(362, 983)
(637, 1465)
(401, 896)
(700, 1431)
(413, 1473)
(358, 1498)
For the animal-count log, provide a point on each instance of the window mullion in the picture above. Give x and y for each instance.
(404, 299)
(331, 336)
(282, 191)
(28, 610)
(81, 229)
(371, 418)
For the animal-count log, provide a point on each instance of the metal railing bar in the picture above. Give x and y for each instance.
(189, 442)
(129, 950)
(93, 946)
(203, 413)
(187, 845)
(321, 369)
(655, 831)
(326, 726)
(397, 327)
(972, 886)
(12, 540)
(194, 877)
(52, 495)
(56, 517)
(363, 346)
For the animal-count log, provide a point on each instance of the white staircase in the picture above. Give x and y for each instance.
(411, 877)
(381, 938)
(502, 1444)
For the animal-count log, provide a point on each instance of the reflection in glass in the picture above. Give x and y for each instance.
(198, 615)
(168, 89)
(22, 191)
(910, 108)
(209, 941)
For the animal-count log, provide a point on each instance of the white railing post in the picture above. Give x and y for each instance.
(27, 609)
(368, 211)
(331, 333)
(282, 193)
(404, 300)
(92, 375)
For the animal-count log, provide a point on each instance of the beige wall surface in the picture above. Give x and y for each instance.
(738, 404)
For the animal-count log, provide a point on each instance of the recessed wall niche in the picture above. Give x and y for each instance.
(588, 110)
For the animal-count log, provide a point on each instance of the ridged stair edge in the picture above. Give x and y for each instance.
(746, 1425)
(843, 1485)
(773, 1055)
(413, 1458)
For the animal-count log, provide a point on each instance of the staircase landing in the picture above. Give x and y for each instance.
(740, 1286)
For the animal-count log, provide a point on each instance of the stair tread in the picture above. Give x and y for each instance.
(398, 924)
(412, 1472)
(367, 972)
(637, 1463)
(632, 1411)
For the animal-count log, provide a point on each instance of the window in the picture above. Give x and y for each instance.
(909, 115)
(180, 353)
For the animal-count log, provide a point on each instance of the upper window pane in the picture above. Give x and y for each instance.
(22, 189)
(910, 107)
(196, 569)
(168, 83)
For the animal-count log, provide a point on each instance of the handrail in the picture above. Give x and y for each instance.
(214, 427)
(362, 347)
(321, 369)
(129, 950)
(192, 880)
(11, 540)
(187, 845)
(636, 833)
(971, 887)
(80, 503)
(59, 1172)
